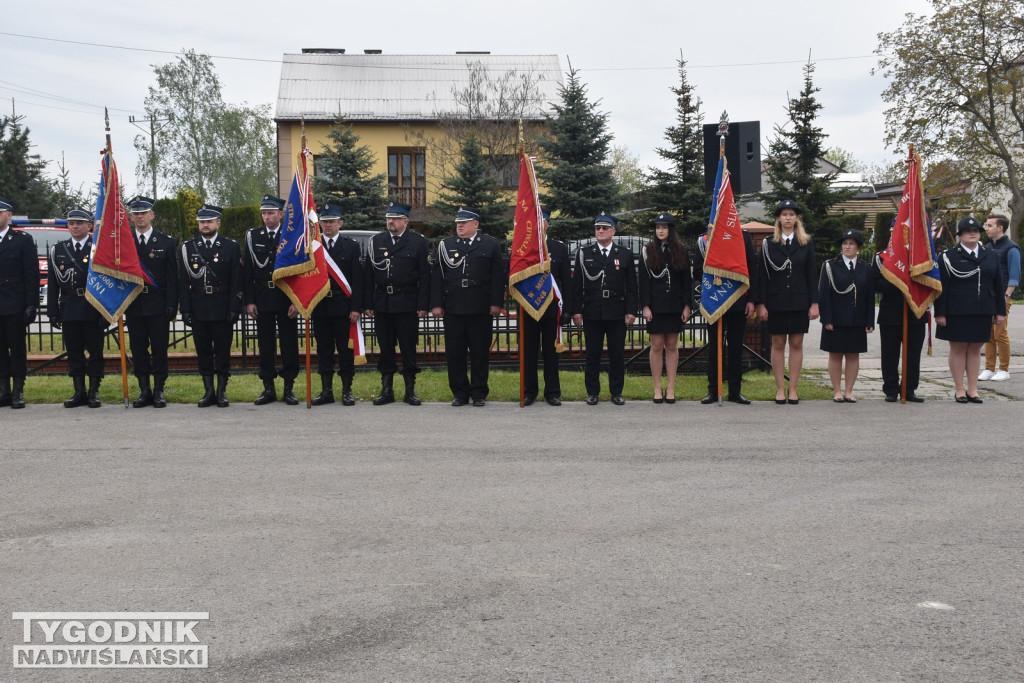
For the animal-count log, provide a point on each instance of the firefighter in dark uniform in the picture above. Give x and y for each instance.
(890, 330)
(149, 316)
(397, 295)
(82, 325)
(19, 296)
(605, 300)
(540, 337)
(334, 315)
(210, 287)
(270, 306)
(467, 290)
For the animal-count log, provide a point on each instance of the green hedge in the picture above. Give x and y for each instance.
(237, 219)
(173, 219)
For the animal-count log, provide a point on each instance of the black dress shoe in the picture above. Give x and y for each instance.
(592, 400)
(780, 401)
(458, 402)
(739, 398)
(893, 399)
(912, 398)
(708, 400)
(670, 401)
(975, 399)
(479, 403)
(961, 399)
(528, 401)
(618, 400)
(554, 401)
(792, 401)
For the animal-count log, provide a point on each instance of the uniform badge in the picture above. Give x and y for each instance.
(216, 258)
(616, 264)
(195, 266)
(455, 255)
(385, 252)
(62, 267)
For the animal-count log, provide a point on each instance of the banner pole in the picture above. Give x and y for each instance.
(903, 355)
(522, 360)
(723, 130)
(124, 360)
(309, 374)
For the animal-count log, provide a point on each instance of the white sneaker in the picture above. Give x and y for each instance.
(986, 375)
(1001, 376)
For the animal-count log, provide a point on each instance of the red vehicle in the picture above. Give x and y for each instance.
(46, 232)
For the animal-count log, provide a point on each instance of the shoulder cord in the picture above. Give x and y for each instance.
(831, 280)
(788, 265)
(586, 273)
(199, 274)
(961, 274)
(446, 260)
(61, 278)
(248, 241)
(384, 264)
(663, 274)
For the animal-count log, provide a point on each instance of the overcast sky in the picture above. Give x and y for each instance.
(744, 57)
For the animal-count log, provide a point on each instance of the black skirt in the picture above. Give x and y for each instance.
(975, 329)
(665, 323)
(844, 340)
(788, 322)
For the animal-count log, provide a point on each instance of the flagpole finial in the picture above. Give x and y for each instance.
(723, 131)
(522, 138)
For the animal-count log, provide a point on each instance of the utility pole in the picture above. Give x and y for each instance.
(153, 130)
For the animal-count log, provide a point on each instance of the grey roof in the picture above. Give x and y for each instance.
(364, 87)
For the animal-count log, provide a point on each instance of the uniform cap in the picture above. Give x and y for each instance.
(208, 212)
(787, 204)
(466, 213)
(271, 203)
(397, 210)
(605, 218)
(140, 204)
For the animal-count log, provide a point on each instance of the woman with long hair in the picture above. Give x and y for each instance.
(789, 287)
(666, 295)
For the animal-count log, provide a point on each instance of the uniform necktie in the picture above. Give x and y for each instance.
(207, 243)
(788, 241)
(604, 252)
(851, 265)
(330, 243)
(78, 248)
(142, 240)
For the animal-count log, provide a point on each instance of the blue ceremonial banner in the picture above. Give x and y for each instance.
(725, 277)
(300, 268)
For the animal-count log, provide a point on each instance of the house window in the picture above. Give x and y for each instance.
(504, 167)
(407, 175)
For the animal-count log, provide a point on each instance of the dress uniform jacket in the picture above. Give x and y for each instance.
(19, 273)
(160, 258)
(65, 288)
(337, 304)
(468, 279)
(398, 275)
(605, 288)
(970, 285)
(789, 276)
(210, 280)
(666, 292)
(847, 298)
(259, 253)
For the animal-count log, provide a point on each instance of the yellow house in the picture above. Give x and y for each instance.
(406, 107)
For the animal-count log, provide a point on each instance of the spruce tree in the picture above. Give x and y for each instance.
(575, 170)
(791, 165)
(344, 177)
(472, 185)
(681, 188)
(21, 174)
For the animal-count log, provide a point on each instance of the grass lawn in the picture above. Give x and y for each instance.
(431, 385)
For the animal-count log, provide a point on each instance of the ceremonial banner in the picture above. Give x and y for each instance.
(910, 262)
(300, 267)
(726, 277)
(115, 275)
(529, 277)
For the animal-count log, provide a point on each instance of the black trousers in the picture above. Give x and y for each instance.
(892, 339)
(13, 352)
(400, 328)
(470, 333)
(331, 333)
(213, 346)
(538, 335)
(732, 338)
(594, 334)
(83, 337)
(148, 340)
(267, 324)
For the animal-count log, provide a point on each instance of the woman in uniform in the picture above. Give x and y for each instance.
(789, 286)
(666, 295)
(847, 304)
(971, 295)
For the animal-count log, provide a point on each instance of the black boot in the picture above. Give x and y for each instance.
(208, 398)
(222, 388)
(145, 393)
(289, 393)
(269, 395)
(347, 399)
(387, 391)
(18, 393)
(94, 392)
(410, 391)
(78, 398)
(326, 389)
(158, 392)
(5, 391)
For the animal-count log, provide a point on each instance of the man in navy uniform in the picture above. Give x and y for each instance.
(270, 306)
(334, 315)
(211, 300)
(467, 290)
(81, 324)
(543, 334)
(149, 316)
(397, 295)
(605, 299)
(19, 296)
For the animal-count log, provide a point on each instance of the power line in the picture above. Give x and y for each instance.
(25, 90)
